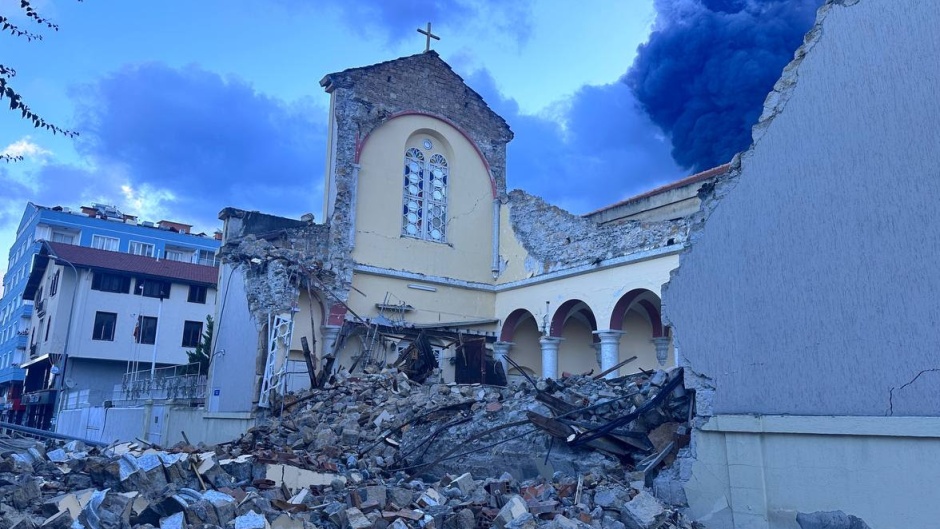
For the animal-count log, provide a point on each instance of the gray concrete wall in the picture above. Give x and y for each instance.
(813, 287)
(97, 377)
(233, 372)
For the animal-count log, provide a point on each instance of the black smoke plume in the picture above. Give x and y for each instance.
(708, 65)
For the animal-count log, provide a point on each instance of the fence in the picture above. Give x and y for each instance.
(184, 382)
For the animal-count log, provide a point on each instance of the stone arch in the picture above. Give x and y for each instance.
(574, 323)
(643, 300)
(512, 322)
(572, 308)
(638, 314)
(521, 330)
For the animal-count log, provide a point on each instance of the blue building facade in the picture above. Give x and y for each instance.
(96, 226)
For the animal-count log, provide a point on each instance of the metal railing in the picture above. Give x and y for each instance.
(183, 382)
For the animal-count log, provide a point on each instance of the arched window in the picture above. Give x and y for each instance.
(424, 203)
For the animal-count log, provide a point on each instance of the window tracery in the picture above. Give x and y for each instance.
(424, 204)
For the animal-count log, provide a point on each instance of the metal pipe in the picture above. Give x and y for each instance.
(50, 434)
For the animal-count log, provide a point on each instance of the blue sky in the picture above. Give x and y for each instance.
(186, 107)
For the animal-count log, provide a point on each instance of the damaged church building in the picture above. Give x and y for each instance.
(427, 262)
(803, 313)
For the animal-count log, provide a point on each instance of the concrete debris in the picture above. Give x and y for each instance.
(381, 451)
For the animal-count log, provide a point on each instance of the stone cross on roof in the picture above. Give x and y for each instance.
(427, 33)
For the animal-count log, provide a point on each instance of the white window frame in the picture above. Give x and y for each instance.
(63, 235)
(136, 248)
(172, 254)
(424, 196)
(103, 242)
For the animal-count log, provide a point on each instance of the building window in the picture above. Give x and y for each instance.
(176, 255)
(140, 248)
(206, 257)
(424, 204)
(192, 332)
(104, 326)
(105, 243)
(54, 284)
(48, 325)
(110, 283)
(197, 294)
(146, 330)
(64, 238)
(151, 288)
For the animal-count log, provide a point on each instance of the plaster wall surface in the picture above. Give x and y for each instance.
(467, 252)
(176, 310)
(446, 304)
(512, 255)
(812, 288)
(576, 353)
(671, 204)
(761, 471)
(201, 426)
(525, 349)
(233, 373)
(307, 322)
(637, 341)
(94, 380)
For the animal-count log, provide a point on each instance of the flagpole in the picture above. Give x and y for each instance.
(156, 334)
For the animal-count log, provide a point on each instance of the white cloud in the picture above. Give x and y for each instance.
(27, 149)
(148, 202)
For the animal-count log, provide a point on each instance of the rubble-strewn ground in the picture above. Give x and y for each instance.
(377, 451)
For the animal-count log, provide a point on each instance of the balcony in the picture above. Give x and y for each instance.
(24, 311)
(21, 340)
(12, 374)
(41, 308)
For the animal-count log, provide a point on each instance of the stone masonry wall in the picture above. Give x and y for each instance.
(556, 239)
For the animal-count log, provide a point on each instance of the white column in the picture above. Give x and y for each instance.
(610, 350)
(328, 335)
(662, 349)
(549, 356)
(500, 352)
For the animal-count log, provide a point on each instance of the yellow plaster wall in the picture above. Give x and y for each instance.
(511, 253)
(576, 353)
(468, 252)
(447, 304)
(304, 326)
(638, 342)
(526, 350)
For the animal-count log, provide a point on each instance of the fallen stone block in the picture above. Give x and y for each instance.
(63, 502)
(285, 521)
(465, 483)
(356, 520)
(298, 478)
(27, 492)
(59, 520)
(829, 520)
(251, 520)
(644, 511)
(175, 521)
(514, 508)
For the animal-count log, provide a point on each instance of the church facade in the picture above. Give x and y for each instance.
(422, 244)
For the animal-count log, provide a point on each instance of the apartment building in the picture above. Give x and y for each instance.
(97, 226)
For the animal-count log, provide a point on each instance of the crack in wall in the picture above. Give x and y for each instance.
(890, 410)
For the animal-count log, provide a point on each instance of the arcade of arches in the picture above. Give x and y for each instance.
(573, 338)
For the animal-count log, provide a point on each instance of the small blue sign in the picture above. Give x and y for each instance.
(216, 392)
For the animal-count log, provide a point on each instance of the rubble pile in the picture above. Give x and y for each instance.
(380, 451)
